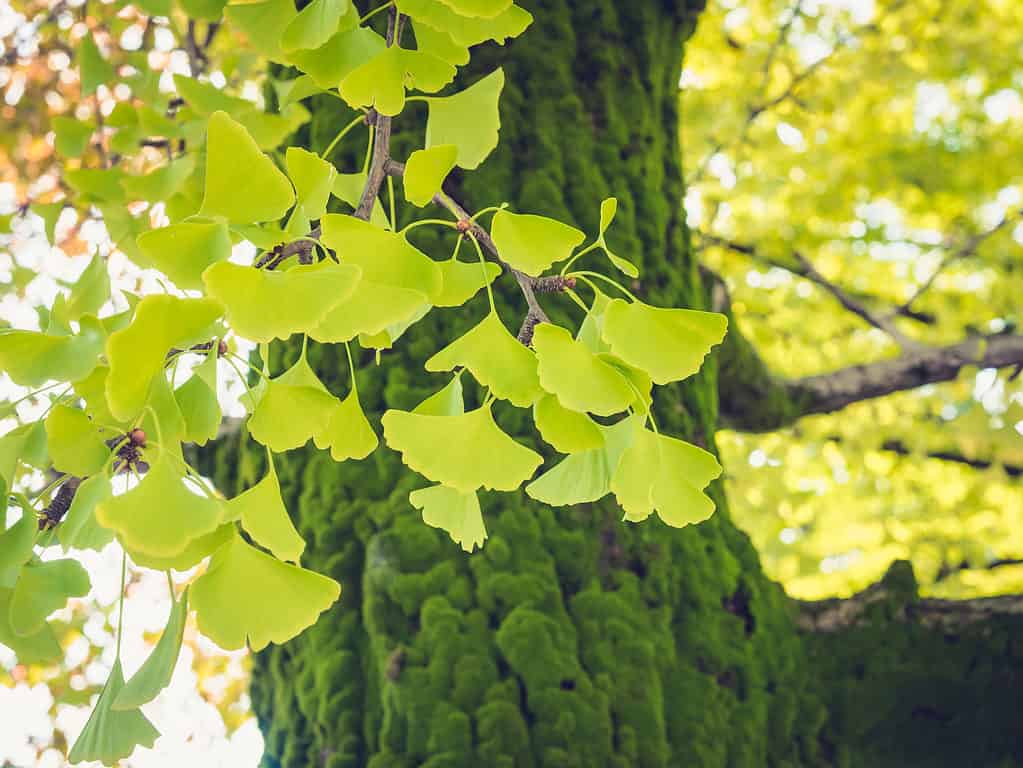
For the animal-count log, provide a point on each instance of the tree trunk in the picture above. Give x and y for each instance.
(572, 639)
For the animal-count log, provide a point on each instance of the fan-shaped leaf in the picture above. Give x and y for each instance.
(94, 70)
(38, 648)
(199, 408)
(426, 170)
(329, 64)
(497, 360)
(457, 513)
(31, 358)
(191, 555)
(155, 673)
(110, 735)
(462, 452)
(468, 30)
(581, 380)
(80, 529)
(669, 344)
(381, 81)
(294, 408)
(440, 44)
(585, 476)
(43, 588)
(531, 243)
(485, 8)
(90, 291)
(470, 119)
(348, 434)
(313, 178)
(608, 209)
(314, 25)
(568, 431)
(229, 610)
(17, 541)
(74, 442)
(183, 251)
(449, 401)
(371, 308)
(265, 518)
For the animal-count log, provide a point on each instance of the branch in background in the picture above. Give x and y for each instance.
(897, 446)
(947, 571)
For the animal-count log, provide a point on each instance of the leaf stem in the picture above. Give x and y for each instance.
(369, 150)
(577, 256)
(351, 367)
(390, 199)
(375, 11)
(341, 134)
(425, 222)
(120, 603)
(584, 274)
(483, 268)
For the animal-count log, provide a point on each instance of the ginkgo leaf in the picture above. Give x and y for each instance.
(43, 588)
(160, 515)
(462, 280)
(585, 476)
(313, 178)
(71, 136)
(98, 185)
(348, 434)
(384, 257)
(439, 43)
(155, 673)
(74, 442)
(669, 344)
(381, 81)
(110, 735)
(295, 90)
(386, 338)
(264, 305)
(229, 610)
(79, 528)
(639, 381)
(485, 8)
(593, 324)
(457, 513)
(94, 70)
(608, 209)
(90, 291)
(531, 243)
(568, 431)
(295, 407)
(349, 186)
(263, 23)
(183, 251)
(426, 170)
(265, 518)
(242, 184)
(371, 308)
(206, 98)
(162, 416)
(661, 473)
(463, 452)
(17, 541)
(12, 449)
(469, 119)
(330, 63)
(198, 405)
(468, 30)
(31, 358)
(314, 25)
(496, 359)
(191, 555)
(448, 401)
(580, 380)
(137, 352)
(38, 648)
(208, 10)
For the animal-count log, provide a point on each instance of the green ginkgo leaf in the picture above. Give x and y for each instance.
(206, 98)
(93, 69)
(661, 473)
(90, 291)
(191, 555)
(314, 25)
(199, 407)
(371, 308)
(426, 170)
(330, 63)
(99, 185)
(580, 380)
(155, 673)
(43, 588)
(449, 401)
(468, 30)
(313, 178)
(531, 243)
(111, 735)
(80, 529)
(381, 81)
(452, 511)
(31, 358)
(585, 476)
(38, 648)
(485, 8)
(462, 280)
(463, 452)
(349, 186)
(160, 515)
(669, 344)
(470, 120)
(296, 90)
(162, 416)
(229, 610)
(71, 136)
(439, 43)
(12, 450)
(162, 183)
(496, 359)
(386, 338)
(137, 352)
(593, 325)
(384, 257)
(207, 10)
(76, 445)
(183, 251)
(263, 23)
(264, 305)
(639, 381)
(348, 434)
(295, 407)
(608, 209)
(568, 431)
(242, 184)
(17, 541)
(265, 518)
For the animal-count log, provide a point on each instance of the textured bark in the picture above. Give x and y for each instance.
(572, 639)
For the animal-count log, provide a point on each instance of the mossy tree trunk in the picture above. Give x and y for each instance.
(572, 639)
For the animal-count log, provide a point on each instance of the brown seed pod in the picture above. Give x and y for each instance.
(137, 437)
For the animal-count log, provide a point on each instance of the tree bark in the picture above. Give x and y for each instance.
(573, 638)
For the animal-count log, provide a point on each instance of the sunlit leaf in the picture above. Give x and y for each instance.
(462, 280)
(463, 452)
(183, 251)
(669, 344)
(469, 119)
(94, 70)
(531, 243)
(314, 24)
(294, 408)
(265, 518)
(348, 434)
(17, 541)
(426, 170)
(37, 648)
(329, 64)
(448, 401)
(229, 610)
(370, 308)
(468, 30)
(440, 44)
(75, 443)
(496, 359)
(110, 735)
(381, 81)
(585, 476)
(581, 380)
(199, 408)
(80, 529)
(155, 673)
(242, 184)
(263, 23)
(568, 431)
(313, 178)
(485, 8)
(31, 358)
(71, 135)
(457, 513)
(192, 554)
(90, 291)
(608, 209)
(43, 588)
